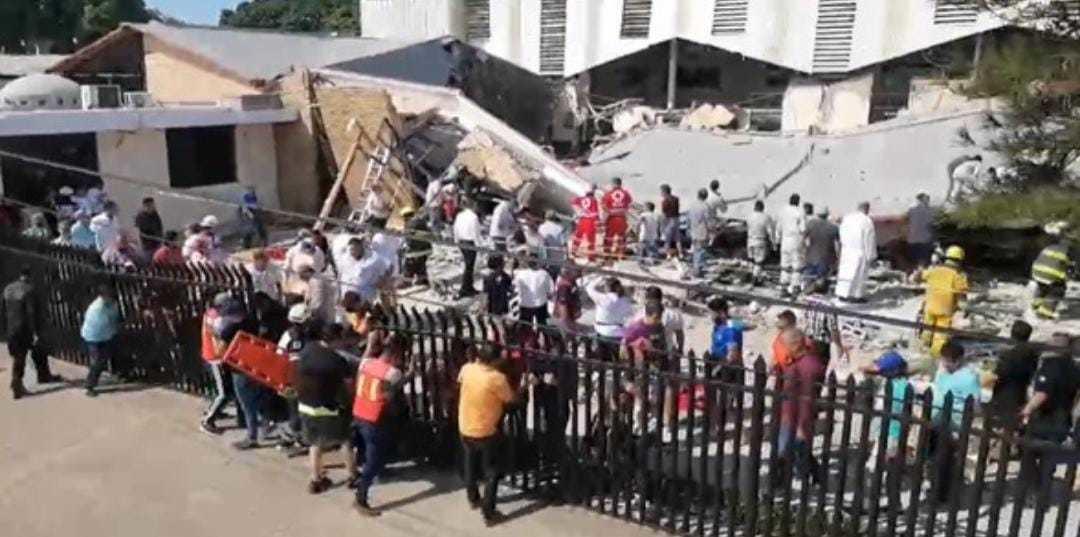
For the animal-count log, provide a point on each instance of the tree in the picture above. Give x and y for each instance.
(294, 15)
(43, 26)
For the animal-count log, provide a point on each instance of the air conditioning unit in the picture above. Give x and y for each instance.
(101, 97)
(138, 99)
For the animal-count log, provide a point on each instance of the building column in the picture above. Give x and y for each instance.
(673, 69)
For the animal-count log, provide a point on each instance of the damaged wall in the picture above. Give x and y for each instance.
(301, 178)
(370, 108)
(827, 106)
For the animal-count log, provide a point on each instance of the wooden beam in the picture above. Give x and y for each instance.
(339, 183)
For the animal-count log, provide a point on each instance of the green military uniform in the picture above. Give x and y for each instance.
(1051, 272)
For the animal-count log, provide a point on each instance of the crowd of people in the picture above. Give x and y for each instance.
(322, 307)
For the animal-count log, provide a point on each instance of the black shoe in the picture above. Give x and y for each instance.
(245, 444)
(353, 482)
(50, 379)
(474, 504)
(209, 428)
(316, 487)
(366, 510)
(494, 519)
(90, 392)
(18, 392)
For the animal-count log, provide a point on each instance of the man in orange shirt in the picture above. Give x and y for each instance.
(781, 355)
(616, 203)
(485, 394)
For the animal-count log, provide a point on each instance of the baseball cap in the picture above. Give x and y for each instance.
(891, 364)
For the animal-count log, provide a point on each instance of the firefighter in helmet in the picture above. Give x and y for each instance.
(946, 286)
(1050, 272)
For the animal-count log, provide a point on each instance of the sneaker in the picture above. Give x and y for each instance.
(209, 428)
(245, 444)
(51, 379)
(90, 392)
(494, 519)
(366, 510)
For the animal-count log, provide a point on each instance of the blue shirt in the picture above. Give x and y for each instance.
(962, 383)
(101, 322)
(82, 237)
(900, 387)
(726, 337)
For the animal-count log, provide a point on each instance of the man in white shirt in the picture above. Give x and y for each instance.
(553, 239)
(716, 200)
(534, 288)
(791, 235)
(858, 249)
(105, 226)
(467, 234)
(649, 231)
(613, 312)
(265, 277)
(362, 274)
(503, 223)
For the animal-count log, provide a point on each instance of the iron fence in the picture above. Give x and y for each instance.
(690, 449)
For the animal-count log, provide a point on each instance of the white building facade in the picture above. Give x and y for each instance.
(567, 37)
(810, 64)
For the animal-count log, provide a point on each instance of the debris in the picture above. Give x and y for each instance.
(483, 158)
(707, 117)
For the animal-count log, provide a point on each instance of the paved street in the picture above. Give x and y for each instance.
(133, 463)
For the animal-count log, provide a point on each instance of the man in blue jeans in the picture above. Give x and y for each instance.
(100, 325)
(377, 380)
(249, 394)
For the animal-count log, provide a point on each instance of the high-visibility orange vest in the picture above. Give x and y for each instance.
(371, 398)
(210, 351)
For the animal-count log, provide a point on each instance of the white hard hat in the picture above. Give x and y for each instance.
(299, 314)
(66, 191)
(1056, 228)
(209, 221)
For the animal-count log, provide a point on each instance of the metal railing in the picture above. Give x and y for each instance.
(690, 450)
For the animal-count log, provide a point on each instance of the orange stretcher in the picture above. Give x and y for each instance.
(260, 360)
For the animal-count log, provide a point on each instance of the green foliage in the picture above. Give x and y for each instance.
(62, 25)
(294, 15)
(1039, 135)
(1036, 206)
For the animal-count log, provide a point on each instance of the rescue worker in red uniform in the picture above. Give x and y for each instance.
(616, 203)
(587, 212)
(377, 380)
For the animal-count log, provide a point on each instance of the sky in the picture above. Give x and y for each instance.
(193, 11)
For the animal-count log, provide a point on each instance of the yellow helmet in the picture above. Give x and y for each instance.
(954, 253)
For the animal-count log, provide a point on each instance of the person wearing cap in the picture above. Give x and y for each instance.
(292, 341)
(64, 204)
(920, 231)
(587, 212)
(105, 226)
(946, 287)
(822, 245)
(212, 351)
(148, 222)
(23, 322)
(38, 228)
(892, 367)
(616, 204)
(1050, 272)
(169, 253)
(503, 223)
(81, 234)
(251, 221)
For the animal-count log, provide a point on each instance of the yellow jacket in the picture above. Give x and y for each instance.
(945, 284)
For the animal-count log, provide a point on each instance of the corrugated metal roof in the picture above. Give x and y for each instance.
(16, 65)
(257, 54)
